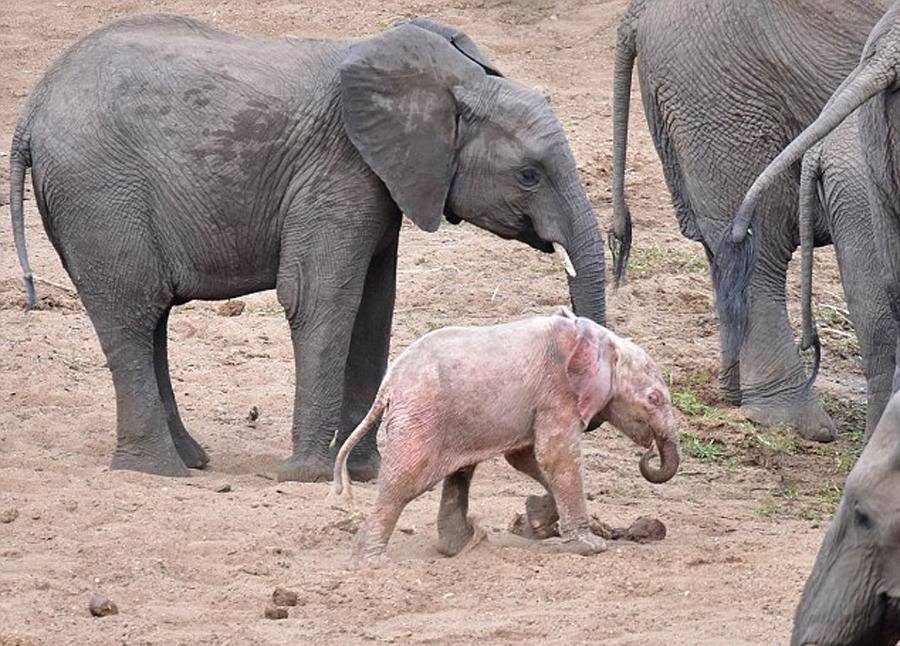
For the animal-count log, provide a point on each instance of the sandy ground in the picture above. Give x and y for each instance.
(186, 564)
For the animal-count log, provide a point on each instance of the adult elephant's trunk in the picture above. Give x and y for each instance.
(587, 288)
(736, 253)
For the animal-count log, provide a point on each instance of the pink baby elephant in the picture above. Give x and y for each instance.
(526, 389)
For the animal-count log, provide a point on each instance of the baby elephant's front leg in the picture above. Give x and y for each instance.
(558, 453)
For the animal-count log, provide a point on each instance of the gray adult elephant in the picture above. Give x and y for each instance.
(172, 161)
(871, 89)
(726, 84)
(834, 200)
(852, 595)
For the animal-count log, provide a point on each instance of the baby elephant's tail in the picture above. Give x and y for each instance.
(341, 472)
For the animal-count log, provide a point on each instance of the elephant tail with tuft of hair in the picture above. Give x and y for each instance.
(626, 52)
(19, 161)
(738, 249)
(341, 470)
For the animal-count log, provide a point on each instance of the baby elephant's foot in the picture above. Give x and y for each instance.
(459, 539)
(584, 543)
(542, 516)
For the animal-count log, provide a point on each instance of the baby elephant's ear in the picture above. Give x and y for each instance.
(589, 370)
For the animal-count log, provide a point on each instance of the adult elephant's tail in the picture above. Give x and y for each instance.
(19, 160)
(738, 248)
(620, 231)
(809, 198)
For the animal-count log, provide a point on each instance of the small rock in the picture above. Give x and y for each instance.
(101, 606)
(225, 488)
(8, 515)
(645, 530)
(70, 505)
(232, 308)
(284, 597)
(274, 612)
(253, 415)
(255, 569)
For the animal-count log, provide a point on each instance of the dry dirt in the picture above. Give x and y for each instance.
(185, 564)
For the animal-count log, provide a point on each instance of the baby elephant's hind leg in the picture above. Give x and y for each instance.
(540, 511)
(454, 529)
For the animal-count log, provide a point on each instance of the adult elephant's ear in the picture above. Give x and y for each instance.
(399, 110)
(460, 40)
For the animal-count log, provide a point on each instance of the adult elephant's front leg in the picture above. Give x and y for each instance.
(321, 297)
(772, 375)
(368, 357)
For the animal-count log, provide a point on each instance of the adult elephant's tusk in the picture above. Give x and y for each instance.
(561, 250)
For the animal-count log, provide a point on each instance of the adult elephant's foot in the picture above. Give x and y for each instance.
(304, 468)
(192, 454)
(807, 417)
(158, 457)
(364, 468)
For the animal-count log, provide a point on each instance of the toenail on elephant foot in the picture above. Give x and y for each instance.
(808, 418)
(305, 469)
(159, 460)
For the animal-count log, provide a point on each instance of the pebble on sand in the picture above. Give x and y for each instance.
(101, 606)
(276, 612)
(284, 597)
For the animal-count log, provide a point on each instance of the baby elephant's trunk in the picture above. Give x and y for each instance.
(669, 459)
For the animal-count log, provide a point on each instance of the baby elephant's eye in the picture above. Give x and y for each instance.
(655, 398)
(529, 176)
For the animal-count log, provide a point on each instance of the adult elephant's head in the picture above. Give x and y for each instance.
(852, 596)
(450, 136)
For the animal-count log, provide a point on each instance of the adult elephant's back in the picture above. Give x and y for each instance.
(199, 126)
(726, 84)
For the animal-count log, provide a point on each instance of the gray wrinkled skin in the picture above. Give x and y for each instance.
(172, 161)
(852, 596)
(834, 201)
(724, 89)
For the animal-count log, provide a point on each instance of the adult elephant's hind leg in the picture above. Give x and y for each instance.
(190, 451)
(772, 376)
(368, 357)
(143, 440)
(454, 529)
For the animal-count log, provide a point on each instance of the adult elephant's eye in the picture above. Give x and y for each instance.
(529, 176)
(862, 518)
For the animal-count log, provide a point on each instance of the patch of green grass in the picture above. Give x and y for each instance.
(710, 451)
(768, 510)
(788, 493)
(778, 439)
(830, 495)
(545, 269)
(687, 402)
(646, 261)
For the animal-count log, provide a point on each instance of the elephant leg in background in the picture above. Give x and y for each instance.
(541, 517)
(368, 358)
(869, 311)
(188, 448)
(321, 288)
(454, 529)
(772, 375)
